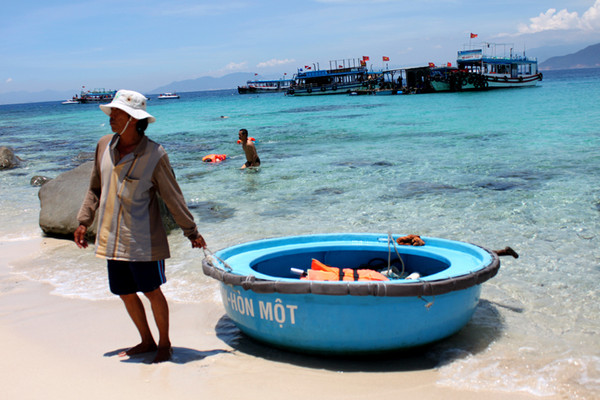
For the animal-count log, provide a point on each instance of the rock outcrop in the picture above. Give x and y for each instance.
(60, 200)
(39, 180)
(8, 160)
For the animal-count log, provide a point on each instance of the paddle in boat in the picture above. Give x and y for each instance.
(351, 293)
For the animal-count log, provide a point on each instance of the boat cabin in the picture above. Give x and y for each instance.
(476, 61)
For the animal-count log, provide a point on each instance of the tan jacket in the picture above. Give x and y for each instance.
(129, 222)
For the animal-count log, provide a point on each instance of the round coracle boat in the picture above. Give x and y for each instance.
(351, 293)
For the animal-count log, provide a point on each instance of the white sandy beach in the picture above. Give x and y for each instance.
(62, 348)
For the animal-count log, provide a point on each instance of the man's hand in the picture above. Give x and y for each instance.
(198, 242)
(79, 237)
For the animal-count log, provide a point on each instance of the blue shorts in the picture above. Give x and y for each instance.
(127, 277)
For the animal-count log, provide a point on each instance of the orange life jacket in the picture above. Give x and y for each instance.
(321, 272)
(251, 138)
(214, 158)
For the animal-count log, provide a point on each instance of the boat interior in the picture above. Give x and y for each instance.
(282, 264)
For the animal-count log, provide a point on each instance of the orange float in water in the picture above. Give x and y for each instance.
(214, 158)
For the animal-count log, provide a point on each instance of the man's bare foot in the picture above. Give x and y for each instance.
(163, 354)
(139, 349)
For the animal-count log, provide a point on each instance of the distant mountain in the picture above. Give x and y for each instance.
(230, 81)
(586, 58)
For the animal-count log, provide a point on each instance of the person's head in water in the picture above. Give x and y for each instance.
(243, 135)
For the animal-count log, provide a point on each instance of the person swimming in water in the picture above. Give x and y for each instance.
(252, 159)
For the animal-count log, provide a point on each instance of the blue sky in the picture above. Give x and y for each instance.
(62, 45)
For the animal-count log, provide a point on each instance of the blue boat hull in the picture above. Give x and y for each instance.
(268, 303)
(349, 324)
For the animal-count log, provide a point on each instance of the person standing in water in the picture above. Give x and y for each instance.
(129, 173)
(252, 159)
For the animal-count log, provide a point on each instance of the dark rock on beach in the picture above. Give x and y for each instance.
(39, 180)
(61, 198)
(8, 160)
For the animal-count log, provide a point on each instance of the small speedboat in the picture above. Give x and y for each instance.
(73, 101)
(431, 291)
(168, 95)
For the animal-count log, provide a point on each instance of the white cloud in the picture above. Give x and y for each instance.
(236, 66)
(591, 18)
(9, 80)
(274, 62)
(552, 20)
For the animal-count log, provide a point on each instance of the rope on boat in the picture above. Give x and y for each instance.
(428, 304)
(391, 239)
(207, 257)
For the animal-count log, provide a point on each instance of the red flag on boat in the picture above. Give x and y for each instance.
(365, 58)
(306, 67)
(431, 65)
(449, 64)
(473, 35)
(386, 58)
(363, 63)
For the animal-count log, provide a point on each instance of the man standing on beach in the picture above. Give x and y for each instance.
(129, 173)
(252, 159)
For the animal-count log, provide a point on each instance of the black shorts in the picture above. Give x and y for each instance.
(256, 163)
(127, 277)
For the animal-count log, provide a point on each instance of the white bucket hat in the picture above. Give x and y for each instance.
(133, 103)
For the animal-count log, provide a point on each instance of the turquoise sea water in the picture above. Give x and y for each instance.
(518, 167)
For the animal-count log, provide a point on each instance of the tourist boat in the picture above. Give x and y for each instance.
(97, 96)
(168, 95)
(407, 80)
(341, 78)
(266, 86)
(264, 296)
(480, 69)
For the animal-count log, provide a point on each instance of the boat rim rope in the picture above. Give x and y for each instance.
(228, 267)
(391, 239)
(212, 255)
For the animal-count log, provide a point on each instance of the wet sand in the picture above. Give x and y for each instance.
(65, 348)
